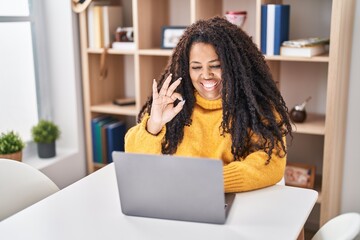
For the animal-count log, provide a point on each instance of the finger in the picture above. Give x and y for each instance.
(178, 107)
(165, 86)
(154, 89)
(175, 96)
(173, 86)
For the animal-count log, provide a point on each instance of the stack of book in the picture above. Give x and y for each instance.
(102, 24)
(306, 47)
(107, 136)
(274, 27)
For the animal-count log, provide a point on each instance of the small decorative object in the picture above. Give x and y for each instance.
(300, 175)
(298, 113)
(44, 134)
(124, 101)
(124, 34)
(80, 5)
(124, 39)
(11, 146)
(171, 35)
(236, 17)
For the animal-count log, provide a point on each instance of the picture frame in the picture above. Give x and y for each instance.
(170, 36)
(300, 175)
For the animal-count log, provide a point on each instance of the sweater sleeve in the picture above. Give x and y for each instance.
(139, 140)
(252, 172)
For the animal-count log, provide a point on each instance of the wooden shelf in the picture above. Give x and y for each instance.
(317, 187)
(314, 124)
(110, 108)
(111, 51)
(147, 52)
(156, 52)
(321, 58)
(130, 76)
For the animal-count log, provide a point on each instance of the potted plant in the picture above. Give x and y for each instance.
(11, 146)
(45, 133)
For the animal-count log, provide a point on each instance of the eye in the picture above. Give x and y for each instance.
(196, 68)
(215, 66)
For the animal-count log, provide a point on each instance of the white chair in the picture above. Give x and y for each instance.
(281, 182)
(343, 227)
(21, 186)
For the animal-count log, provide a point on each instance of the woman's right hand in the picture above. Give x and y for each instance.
(162, 108)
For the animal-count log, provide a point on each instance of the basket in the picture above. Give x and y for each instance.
(14, 156)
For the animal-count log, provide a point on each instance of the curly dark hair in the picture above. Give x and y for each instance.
(252, 104)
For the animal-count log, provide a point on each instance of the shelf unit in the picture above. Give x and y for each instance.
(130, 73)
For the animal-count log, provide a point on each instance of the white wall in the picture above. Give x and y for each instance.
(351, 179)
(62, 47)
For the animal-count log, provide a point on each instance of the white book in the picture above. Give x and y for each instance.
(112, 19)
(302, 51)
(123, 45)
(270, 32)
(98, 27)
(90, 24)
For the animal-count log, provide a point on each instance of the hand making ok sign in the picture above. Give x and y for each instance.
(162, 108)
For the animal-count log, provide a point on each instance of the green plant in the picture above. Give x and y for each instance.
(45, 132)
(10, 142)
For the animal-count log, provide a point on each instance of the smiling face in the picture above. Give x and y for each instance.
(205, 70)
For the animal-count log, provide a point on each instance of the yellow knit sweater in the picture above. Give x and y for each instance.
(203, 139)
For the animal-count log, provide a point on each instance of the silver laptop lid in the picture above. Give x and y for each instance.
(170, 187)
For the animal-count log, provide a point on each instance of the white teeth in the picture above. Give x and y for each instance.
(209, 84)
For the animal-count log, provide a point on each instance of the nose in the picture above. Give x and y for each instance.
(207, 74)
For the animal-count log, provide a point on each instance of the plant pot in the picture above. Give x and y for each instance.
(14, 156)
(46, 150)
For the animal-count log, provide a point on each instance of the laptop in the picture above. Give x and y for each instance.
(172, 187)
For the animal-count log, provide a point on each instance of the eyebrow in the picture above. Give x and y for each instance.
(215, 60)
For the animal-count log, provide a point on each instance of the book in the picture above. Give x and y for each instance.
(115, 138)
(123, 45)
(98, 139)
(270, 29)
(306, 42)
(263, 28)
(102, 22)
(104, 143)
(303, 51)
(90, 26)
(112, 18)
(94, 121)
(124, 101)
(274, 27)
(98, 27)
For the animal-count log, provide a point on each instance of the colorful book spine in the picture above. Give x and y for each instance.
(263, 28)
(115, 138)
(275, 27)
(99, 139)
(104, 143)
(94, 122)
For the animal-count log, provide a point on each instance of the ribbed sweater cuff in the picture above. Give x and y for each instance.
(160, 135)
(233, 181)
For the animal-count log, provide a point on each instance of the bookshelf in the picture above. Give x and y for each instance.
(325, 78)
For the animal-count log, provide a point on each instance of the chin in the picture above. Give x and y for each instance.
(211, 96)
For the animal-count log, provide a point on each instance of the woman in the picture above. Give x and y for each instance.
(217, 99)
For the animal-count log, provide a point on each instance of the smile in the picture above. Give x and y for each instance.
(210, 85)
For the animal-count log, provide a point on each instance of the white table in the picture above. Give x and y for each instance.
(90, 209)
